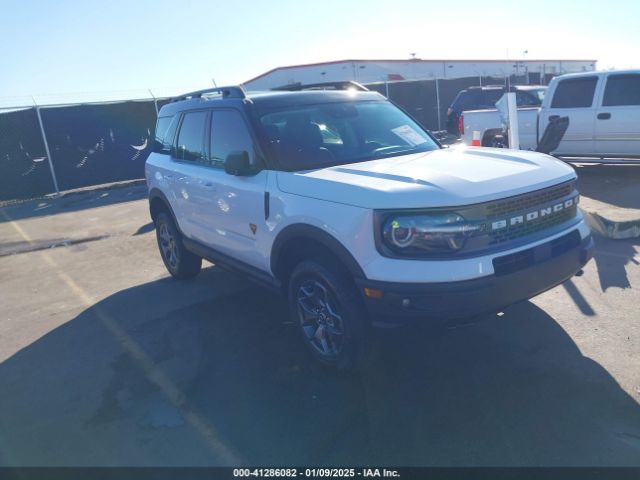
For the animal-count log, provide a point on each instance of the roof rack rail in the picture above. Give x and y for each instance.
(225, 92)
(343, 85)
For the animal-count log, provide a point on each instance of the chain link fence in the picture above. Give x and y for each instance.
(428, 100)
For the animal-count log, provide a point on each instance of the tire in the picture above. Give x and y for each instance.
(325, 306)
(180, 262)
(496, 140)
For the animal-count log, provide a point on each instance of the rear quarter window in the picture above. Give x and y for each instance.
(465, 100)
(165, 133)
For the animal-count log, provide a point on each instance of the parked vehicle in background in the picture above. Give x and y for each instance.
(603, 109)
(488, 122)
(345, 205)
(480, 98)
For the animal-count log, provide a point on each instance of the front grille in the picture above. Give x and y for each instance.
(526, 201)
(523, 229)
(505, 209)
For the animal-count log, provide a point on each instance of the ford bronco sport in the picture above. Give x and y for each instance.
(342, 202)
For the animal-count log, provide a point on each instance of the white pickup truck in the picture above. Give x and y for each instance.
(603, 110)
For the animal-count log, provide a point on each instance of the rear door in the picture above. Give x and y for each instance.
(187, 153)
(573, 98)
(618, 118)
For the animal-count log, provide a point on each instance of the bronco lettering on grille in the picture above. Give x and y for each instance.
(534, 214)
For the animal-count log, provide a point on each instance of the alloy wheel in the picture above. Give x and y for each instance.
(168, 245)
(320, 318)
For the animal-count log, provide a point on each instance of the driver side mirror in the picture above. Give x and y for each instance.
(238, 163)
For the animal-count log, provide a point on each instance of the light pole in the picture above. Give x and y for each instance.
(526, 67)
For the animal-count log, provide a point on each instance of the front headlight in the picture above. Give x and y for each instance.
(423, 233)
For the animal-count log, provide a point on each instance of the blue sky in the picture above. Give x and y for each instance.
(72, 47)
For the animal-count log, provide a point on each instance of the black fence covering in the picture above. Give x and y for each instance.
(102, 143)
(24, 171)
(89, 145)
(93, 144)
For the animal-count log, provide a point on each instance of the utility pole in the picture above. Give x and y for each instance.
(438, 102)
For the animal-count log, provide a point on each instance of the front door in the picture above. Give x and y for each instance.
(232, 218)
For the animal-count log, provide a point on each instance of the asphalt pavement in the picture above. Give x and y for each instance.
(105, 360)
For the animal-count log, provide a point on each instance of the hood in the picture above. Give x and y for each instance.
(441, 178)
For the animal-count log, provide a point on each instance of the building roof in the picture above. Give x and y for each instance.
(416, 60)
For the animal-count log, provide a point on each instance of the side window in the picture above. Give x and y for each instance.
(229, 133)
(574, 93)
(622, 90)
(165, 133)
(191, 136)
(525, 99)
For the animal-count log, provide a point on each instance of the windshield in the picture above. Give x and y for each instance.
(316, 136)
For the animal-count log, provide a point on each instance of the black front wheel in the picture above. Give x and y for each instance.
(325, 305)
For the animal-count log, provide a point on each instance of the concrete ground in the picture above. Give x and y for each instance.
(610, 198)
(613, 189)
(104, 360)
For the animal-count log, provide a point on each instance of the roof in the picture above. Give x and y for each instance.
(309, 97)
(600, 72)
(273, 99)
(416, 60)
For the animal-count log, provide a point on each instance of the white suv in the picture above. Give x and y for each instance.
(342, 202)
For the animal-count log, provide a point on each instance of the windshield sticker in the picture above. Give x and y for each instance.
(409, 135)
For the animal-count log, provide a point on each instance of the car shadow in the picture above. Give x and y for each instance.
(612, 258)
(146, 228)
(147, 377)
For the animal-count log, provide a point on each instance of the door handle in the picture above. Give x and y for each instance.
(209, 186)
(604, 116)
(553, 117)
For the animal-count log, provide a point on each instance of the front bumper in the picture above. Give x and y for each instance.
(518, 276)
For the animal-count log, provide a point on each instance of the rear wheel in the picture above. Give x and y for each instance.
(495, 140)
(180, 262)
(325, 306)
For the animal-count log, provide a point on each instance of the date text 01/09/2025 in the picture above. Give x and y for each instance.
(316, 472)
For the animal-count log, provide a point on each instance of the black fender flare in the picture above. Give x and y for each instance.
(157, 194)
(316, 234)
